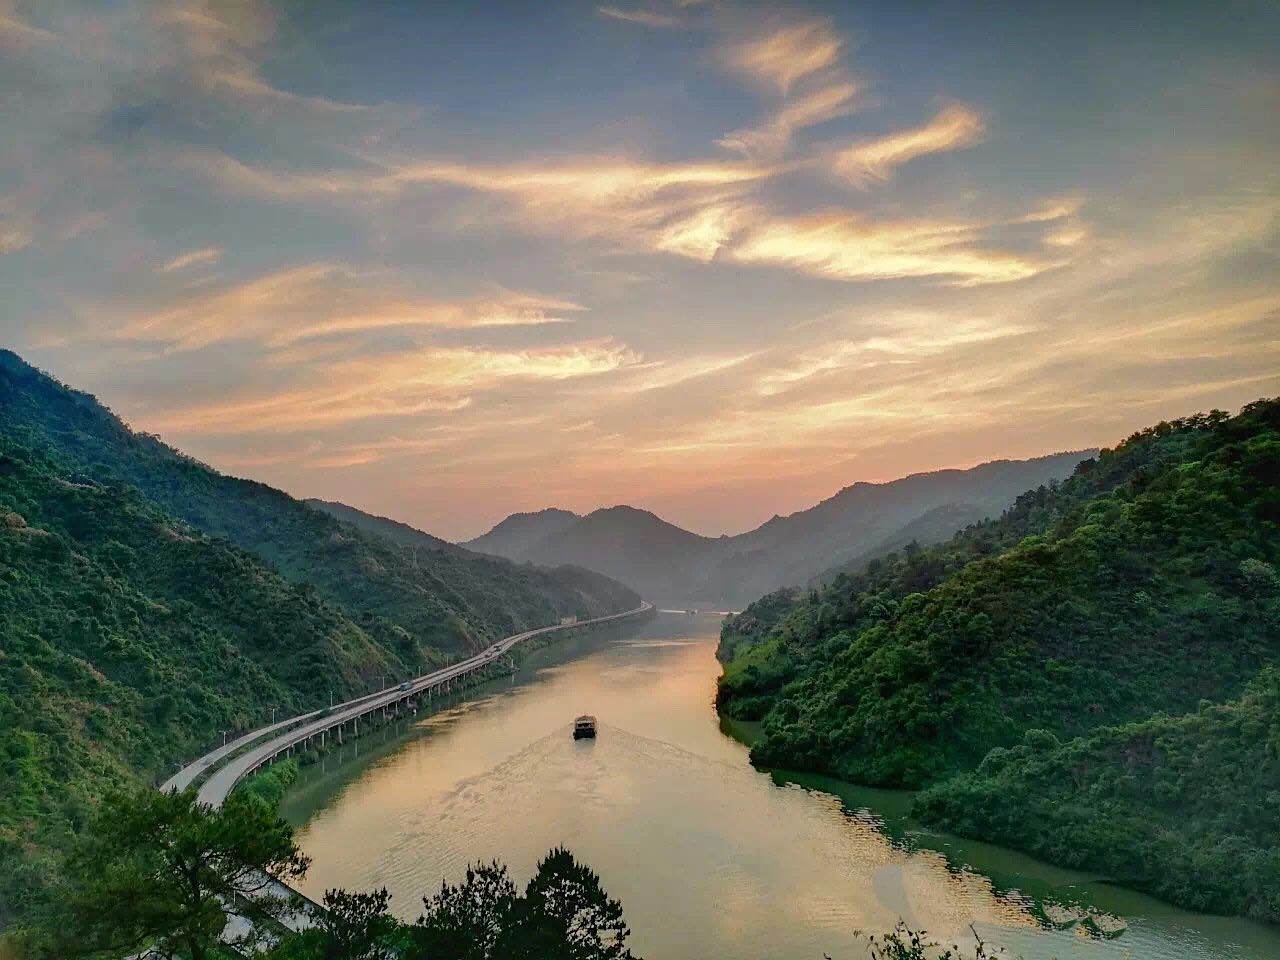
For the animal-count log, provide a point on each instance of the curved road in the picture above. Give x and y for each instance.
(317, 723)
(304, 727)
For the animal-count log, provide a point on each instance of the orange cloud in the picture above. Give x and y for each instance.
(432, 380)
(782, 56)
(846, 246)
(321, 300)
(956, 126)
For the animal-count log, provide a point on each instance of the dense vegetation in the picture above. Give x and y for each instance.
(163, 874)
(442, 598)
(1142, 585)
(1188, 807)
(130, 637)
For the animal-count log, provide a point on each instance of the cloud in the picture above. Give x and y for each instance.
(221, 46)
(430, 380)
(192, 258)
(638, 15)
(956, 126)
(770, 140)
(848, 246)
(327, 300)
(782, 56)
(17, 32)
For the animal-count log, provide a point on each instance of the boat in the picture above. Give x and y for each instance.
(584, 727)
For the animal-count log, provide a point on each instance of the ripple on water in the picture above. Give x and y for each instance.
(710, 857)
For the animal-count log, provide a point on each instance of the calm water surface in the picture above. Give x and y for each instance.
(710, 857)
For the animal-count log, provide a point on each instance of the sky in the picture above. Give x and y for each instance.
(446, 261)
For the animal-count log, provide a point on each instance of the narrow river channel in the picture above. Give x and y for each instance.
(710, 857)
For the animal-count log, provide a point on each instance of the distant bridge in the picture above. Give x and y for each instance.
(227, 765)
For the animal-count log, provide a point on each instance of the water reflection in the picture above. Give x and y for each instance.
(710, 857)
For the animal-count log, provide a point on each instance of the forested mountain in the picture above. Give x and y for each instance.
(1143, 585)
(521, 532)
(384, 527)
(845, 531)
(130, 640)
(444, 598)
(135, 625)
(634, 546)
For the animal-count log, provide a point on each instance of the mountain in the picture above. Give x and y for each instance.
(130, 640)
(847, 530)
(384, 527)
(519, 533)
(630, 545)
(441, 598)
(1141, 588)
(148, 603)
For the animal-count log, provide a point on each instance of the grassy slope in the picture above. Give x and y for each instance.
(444, 599)
(1141, 586)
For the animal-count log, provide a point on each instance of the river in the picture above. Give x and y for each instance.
(710, 857)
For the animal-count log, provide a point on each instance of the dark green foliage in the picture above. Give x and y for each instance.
(420, 600)
(130, 638)
(1187, 807)
(1142, 585)
(903, 943)
(129, 641)
(357, 926)
(159, 871)
(564, 914)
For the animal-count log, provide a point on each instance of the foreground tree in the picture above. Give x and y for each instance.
(567, 915)
(162, 872)
(564, 914)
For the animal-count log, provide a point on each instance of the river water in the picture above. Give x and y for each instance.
(710, 857)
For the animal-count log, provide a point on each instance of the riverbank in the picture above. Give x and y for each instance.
(710, 856)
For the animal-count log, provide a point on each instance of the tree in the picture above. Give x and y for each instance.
(163, 872)
(566, 915)
(356, 926)
(468, 921)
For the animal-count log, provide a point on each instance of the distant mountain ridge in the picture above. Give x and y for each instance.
(845, 531)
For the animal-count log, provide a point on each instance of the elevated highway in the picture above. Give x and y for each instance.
(227, 765)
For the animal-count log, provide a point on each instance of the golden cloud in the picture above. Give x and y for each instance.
(432, 380)
(325, 300)
(846, 246)
(956, 126)
(782, 56)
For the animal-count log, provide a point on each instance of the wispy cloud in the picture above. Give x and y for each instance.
(780, 56)
(222, 45)
(846, 246)
(648, 18)
(326, 300)
(431, 380)
(771, 139)
(192, 258)
(955, 127)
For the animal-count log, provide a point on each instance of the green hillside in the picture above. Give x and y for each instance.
(1143, 585)
(129, 641)
(1187, 807)
(446, 599)
(148, 603)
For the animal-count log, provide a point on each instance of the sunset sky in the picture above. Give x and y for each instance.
(448, 261)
